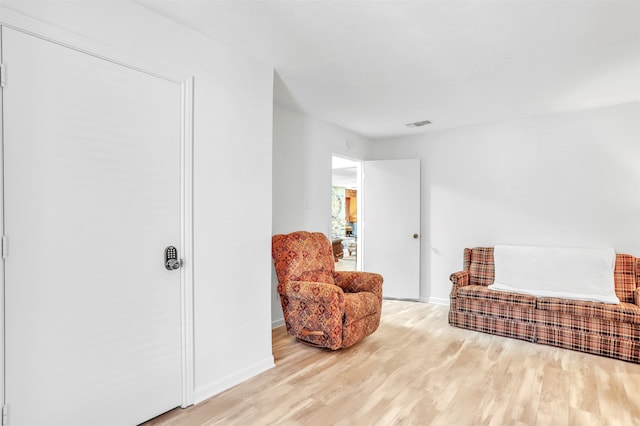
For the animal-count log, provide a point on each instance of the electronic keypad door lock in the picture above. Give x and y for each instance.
(171, 261)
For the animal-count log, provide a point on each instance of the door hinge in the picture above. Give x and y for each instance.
(5, 415)
(5, 247)
(3, 72)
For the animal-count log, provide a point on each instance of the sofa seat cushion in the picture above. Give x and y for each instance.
(501, 310)
(614, 329)
(623, 312)
(359, 305)
(483, 293)
(494, 325)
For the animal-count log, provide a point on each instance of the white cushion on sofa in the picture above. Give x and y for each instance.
(569, 273)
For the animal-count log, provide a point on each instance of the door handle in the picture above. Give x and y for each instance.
(416, 236)
(171, 261)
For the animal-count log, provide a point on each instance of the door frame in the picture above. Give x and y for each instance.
(61, 37)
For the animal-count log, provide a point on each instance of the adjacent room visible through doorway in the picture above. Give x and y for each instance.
(345, 212)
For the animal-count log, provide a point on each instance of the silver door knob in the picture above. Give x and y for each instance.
(173, 264)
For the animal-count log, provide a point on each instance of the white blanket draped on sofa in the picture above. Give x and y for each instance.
(568, 273)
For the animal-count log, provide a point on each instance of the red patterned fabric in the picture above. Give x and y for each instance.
(612, 347)
(498, 310)
(493, 325)
(637, 278)
(313, 307)
(321, 306)
(466, 264)
(483, 293)
(353, 282)
(624, 274)
(481, 268)
(362, 316)
(604, 329)
(624, 312)
(615, 329)
(459, 279)
(303, 256)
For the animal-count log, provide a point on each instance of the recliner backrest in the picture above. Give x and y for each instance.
(303, 256)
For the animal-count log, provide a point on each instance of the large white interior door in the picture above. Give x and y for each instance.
(92, 198)
(391, 213)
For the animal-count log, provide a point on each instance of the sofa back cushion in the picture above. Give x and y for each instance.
(569, 273)
(479, 263)
(625, 277)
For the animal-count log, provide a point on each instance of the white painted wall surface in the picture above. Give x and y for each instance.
(302, 149)
(233, 101)
(570, 179)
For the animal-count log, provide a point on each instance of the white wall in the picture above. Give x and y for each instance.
(232, 136)
(564, 180)
(302, 150)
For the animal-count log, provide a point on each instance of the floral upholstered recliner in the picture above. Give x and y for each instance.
(323, 307)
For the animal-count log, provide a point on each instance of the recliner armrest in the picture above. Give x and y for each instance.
(355, 281)
(458, 279)
(313, 292)
(313, 312)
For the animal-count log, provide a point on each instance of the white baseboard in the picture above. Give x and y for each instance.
(212, 389)
(438, 301)
(277, 323)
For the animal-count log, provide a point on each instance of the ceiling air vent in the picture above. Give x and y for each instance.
(418, 123)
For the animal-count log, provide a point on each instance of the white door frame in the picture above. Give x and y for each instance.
(56, 35)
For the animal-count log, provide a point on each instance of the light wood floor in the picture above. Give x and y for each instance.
(417, 370)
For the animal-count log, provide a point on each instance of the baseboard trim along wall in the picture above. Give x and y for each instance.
(438, 301)
(212, 389)
(277, 323)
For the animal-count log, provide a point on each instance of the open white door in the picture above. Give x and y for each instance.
(391, 234)
(92, 198)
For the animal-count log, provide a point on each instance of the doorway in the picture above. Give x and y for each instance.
(346, 213)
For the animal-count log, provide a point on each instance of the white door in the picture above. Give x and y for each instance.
(92, 198)
(391, 213)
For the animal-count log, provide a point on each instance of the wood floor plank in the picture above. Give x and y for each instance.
(417, 370)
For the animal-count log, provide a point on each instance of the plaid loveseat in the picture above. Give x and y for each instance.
(598, 328)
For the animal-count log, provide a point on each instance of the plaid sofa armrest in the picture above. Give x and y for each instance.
(458, 279)
(637, 298)
(354, 282)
